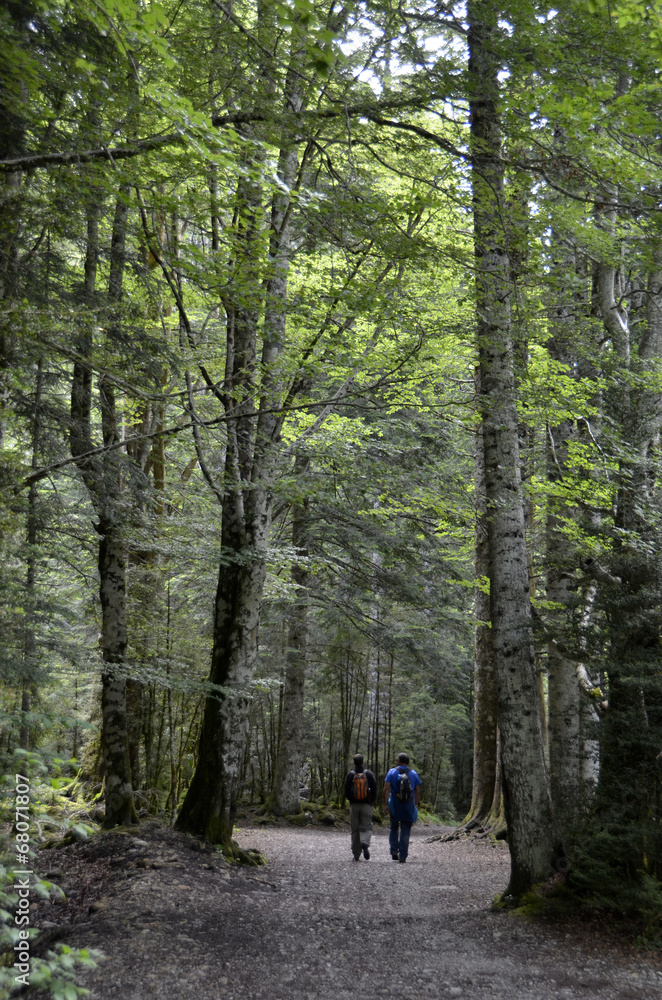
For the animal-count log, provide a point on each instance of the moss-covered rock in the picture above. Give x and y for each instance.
(300, 819)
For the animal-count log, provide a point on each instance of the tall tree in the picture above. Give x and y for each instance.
(103, 478)
(254, 427)
(526, 789)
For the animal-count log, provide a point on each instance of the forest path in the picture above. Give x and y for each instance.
(345, 930)
(179, 923)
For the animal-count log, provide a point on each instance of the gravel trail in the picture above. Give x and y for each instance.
(175, 922)
(348, 930)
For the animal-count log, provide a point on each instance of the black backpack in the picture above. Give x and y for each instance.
(404, 787)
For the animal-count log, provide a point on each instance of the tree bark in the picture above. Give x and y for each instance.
(286, 798)
(120, 808)
(12, 144)
(210, 804)
(563, 688)
(112, 587)
(485, 694)
(30, 643)
(526, 789)
(103, 479)
(561, 560)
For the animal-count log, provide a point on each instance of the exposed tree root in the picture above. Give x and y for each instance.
(490, 828)
(241, 856)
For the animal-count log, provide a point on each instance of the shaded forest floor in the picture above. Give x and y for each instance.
(175, 921)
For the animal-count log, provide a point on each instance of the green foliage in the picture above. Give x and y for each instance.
(635, 14)
(600, 887)
(56, 972)
(602, 883)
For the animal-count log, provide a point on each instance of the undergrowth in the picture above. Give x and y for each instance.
(50, 816)
(600, 887)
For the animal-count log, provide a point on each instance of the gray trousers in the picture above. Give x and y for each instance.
(360, 821)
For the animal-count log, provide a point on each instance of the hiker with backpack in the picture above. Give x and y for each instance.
(402, 793)
(361, 790)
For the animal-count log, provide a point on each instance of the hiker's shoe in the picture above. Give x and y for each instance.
(366, 852)
(394, 857)
(402, 860)
(355, 858)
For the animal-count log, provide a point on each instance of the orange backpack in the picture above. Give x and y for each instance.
(360, 787)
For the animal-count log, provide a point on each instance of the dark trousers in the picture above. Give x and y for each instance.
(398, 837)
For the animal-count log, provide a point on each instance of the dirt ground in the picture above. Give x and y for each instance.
(175, 921)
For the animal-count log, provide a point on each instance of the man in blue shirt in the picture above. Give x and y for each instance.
(401, 799)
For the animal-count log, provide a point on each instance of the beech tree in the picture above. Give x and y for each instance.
(528, 805)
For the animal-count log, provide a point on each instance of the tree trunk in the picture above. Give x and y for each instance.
(30, 643)
(563, 689)
(526, 790)
(120, 808)
(12, 191)
(12, 144)
(117, 769)
(210, 804)
(485, 695)
(104, 482)
(288, 761)
(561, 560)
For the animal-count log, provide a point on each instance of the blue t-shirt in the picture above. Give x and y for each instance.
(403, 812)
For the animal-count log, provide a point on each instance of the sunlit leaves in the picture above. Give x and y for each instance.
(634, 14)
(553, 391)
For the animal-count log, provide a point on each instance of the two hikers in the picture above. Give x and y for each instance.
(402, 794)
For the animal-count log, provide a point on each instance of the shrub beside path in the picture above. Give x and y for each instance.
(175, 921)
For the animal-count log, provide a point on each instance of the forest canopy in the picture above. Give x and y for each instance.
(330, 405)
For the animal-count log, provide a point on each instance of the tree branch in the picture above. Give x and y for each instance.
(36, 160)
